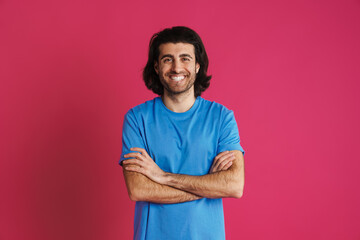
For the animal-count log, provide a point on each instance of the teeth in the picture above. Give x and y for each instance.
(179, 78)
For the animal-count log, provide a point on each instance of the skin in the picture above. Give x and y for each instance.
(177, 60)
(142, 188)
(224, 183)
(177, 69)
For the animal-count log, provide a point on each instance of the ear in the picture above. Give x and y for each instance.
(156, 67)
(197, 67)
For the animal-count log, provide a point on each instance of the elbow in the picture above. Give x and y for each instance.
(135, 195)
(237, 189)
(134, 188)
(133, 191)
(238, 193)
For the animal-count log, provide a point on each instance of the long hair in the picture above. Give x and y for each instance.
(177, 34)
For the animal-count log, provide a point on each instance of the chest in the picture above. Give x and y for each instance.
(186, 146)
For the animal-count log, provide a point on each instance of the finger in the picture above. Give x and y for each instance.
(229, 155)
(225, 158)
(227, 166)
(141, 150)
(223, 166)
(224, 163)
(221, 154)
(134, 168)
(135, 155)
(133, 161)
(219, 157)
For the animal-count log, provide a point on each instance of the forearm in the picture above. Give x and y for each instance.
(214, 185)
(228, 183)
(141, 188)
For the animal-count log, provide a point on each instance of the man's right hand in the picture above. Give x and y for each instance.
(222, 161)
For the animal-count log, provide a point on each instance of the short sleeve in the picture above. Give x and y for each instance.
(229, 135)
(131, 135)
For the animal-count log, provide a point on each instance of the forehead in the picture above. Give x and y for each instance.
(176, 49)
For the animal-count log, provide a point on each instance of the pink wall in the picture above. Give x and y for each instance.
(69, 70)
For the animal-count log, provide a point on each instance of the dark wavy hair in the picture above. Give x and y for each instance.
(177, 34)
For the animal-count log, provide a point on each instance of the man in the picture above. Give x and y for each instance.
(181, 153)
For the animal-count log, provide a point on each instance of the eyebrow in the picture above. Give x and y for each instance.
(181, 55)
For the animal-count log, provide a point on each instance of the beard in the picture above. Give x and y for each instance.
(173, 90)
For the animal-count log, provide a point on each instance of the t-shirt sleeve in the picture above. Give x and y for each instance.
(131, 135)
(229, 135)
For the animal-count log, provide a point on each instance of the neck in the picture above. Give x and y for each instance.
(179, 102)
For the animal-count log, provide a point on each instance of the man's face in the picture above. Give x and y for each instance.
(177, 67)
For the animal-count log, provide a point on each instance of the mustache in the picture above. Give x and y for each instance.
(176, 73)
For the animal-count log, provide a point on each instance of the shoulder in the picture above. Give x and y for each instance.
(139, 114)
(214, 107)
(142, 109)
(217, 112)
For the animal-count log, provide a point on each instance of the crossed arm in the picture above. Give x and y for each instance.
(145, 181)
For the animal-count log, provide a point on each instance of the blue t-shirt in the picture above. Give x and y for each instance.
(184, 143)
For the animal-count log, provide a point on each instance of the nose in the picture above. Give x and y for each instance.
(176, 66)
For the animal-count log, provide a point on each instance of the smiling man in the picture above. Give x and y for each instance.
(181, 154)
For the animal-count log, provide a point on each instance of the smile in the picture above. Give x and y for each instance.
(177, 78)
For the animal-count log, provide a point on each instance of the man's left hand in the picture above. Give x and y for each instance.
(142, 163)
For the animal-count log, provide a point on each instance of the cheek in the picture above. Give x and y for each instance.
(192, 70)
(164, 69)
(191, 67)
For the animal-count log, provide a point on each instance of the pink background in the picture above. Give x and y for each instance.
(70, 70)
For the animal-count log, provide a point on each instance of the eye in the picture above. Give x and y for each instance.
(186, 59)
(166, 60)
